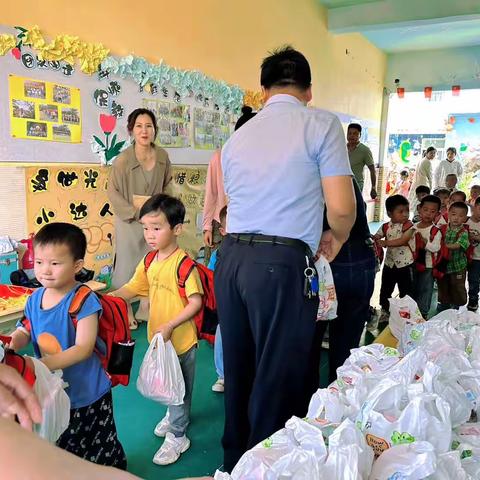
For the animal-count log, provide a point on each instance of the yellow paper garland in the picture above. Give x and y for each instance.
(7, 42)
(253, 99)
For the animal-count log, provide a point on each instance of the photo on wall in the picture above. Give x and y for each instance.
(62, 133)
(61, 95)
(48, 113)
(37, 129)
(34, 89)
(23, 109)
(70, 115)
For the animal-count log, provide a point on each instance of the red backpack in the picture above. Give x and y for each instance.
(206, 320)
(114, 330)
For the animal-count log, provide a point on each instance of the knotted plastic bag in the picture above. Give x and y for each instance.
(160, 377)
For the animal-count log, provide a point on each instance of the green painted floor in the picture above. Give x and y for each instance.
(136, 418)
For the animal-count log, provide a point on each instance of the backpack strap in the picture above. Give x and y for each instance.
(83, 291)
(407, 226)
(385, 228)
(184, 269)
(148, 259)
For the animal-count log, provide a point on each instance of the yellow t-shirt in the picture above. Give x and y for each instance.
(160, 284)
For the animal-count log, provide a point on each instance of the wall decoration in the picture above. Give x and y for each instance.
(74, 194)
(189, 185)
(211, 129)
(174, 123)
(44, 110)
(107, 150)
(253, 99)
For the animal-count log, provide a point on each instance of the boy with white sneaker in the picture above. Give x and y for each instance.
(171, 315)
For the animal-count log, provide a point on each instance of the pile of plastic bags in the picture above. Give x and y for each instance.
(391, 414)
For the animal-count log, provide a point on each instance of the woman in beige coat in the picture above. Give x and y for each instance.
(140, 171)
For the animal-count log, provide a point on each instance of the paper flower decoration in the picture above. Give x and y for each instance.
(7, 42)
(106, 150)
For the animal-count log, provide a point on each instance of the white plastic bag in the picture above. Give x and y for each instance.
(449, 467)
(53, 400)
(160, 377)
(327, 308)
(326, 406)
(403, 311)
(414, 461)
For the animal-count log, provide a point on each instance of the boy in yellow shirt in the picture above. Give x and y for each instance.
(171, 315)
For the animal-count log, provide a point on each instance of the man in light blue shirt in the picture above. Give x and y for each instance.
(280, 169)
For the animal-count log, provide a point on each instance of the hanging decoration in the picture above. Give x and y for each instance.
(427, 91)
(183, 82)
(94, 58)
(106, 150)
(456, 90)
(400, 92)
(253, 99)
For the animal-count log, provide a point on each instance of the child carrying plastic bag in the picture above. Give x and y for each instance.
(160, 377)
(53, 400)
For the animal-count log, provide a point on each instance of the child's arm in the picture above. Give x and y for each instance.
(474, 235)
(400, 242)
(84, 344)
(123, 292)
(20, 339)
(191, 309)
(462, 243)
(435, 245)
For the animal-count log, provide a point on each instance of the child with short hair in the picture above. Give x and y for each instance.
(171, 315)
(59, 250)
(458, 196)
(219, 385)
(420, 192)
(455, 242)
(397, 269)
(427, 245)
(474, 267)
(474, 194)
(442, 217)
(451, 182)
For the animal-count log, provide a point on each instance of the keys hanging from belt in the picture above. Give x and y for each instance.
(310, 286)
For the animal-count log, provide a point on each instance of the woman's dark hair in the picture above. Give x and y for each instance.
(285, 67)
(355, 126)
(395, 201)
(132, 118)
(428, 150)
(171, 207)
(247, 114)
(59, 233)
(452, 149)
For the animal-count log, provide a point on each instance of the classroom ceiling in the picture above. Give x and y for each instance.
(408, 25)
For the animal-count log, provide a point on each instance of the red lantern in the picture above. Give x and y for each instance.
(456, 90)
(400, 92)
(451, 120)
(471, 120)
(427, 91)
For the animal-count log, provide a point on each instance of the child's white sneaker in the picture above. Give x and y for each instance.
(171, 449)
(163, 426)
(219, 385)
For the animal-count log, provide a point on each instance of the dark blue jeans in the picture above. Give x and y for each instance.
(354, 276)
(423, 290)
(473, 282)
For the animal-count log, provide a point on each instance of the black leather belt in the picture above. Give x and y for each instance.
(251, 238)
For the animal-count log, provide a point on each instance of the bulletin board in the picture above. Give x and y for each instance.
(44, 110)
(99, 85)
(74, 194)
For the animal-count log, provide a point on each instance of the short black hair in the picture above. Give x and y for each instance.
(355, 126)
(452, 149)
(422, 189)
(60, 233)
(461, 205)
(171, 207)
(442, 191)
(452, 175)
(430, 199)
(459, 192)
(247, 114)
(395, 201)
(284, 67)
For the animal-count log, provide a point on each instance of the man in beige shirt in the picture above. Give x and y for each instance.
(360, 156)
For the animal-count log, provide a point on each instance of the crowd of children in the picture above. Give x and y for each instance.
(441, 245)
